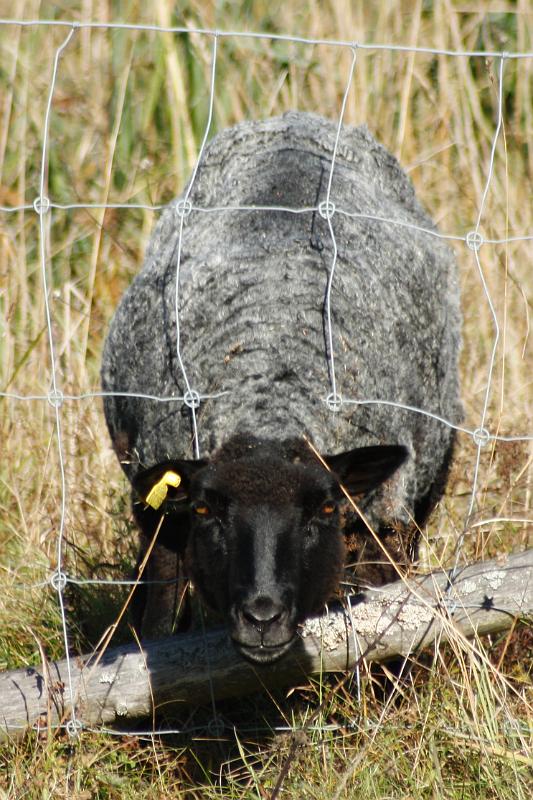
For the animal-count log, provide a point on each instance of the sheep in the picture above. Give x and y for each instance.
(243, 475)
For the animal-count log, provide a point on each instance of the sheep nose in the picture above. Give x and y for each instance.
(262, 612)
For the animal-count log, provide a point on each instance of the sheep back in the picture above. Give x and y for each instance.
(252, 287)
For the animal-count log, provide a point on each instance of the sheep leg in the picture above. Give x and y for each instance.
(160, 604)
(165, 595)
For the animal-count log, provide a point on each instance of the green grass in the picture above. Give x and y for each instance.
(128, 115)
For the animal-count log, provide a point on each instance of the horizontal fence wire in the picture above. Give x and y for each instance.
(274, 37)
(473, 239)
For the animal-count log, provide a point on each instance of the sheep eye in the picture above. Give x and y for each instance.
(201, 510)
(328, 508)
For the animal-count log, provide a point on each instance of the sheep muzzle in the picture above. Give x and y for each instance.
(262, 628)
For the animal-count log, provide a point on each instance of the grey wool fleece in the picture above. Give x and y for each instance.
(252, 293)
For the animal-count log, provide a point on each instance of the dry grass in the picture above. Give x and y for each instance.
(128, 113)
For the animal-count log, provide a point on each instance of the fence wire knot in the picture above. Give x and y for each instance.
(74, 728)
(216, 727)
(183, 208)
(334, 402)
(41, 205)
(449, 604)
(56, 398)
(326, 209)
(191, 398)
(474, 240)
(481, 437)
(59, 581)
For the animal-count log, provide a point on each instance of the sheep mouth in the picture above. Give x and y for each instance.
(263, 653)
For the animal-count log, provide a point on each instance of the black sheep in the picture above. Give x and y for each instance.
(261, 521)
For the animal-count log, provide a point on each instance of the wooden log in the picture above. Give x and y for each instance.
(129, 683)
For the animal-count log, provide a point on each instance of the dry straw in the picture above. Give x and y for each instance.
(44, 206)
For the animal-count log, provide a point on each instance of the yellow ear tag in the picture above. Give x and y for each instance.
(159, 490)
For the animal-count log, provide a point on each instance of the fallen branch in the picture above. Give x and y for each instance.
(126, 683)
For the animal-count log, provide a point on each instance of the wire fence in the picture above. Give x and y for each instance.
(44, 206)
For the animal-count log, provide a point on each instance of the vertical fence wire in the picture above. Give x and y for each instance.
(55, 396)
(183, 209)
(481, 435)
(327, 212)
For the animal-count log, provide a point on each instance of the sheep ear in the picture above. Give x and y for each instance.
(169, 480)
(364, 468)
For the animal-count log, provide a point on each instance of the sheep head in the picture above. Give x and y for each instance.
(265, 541)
